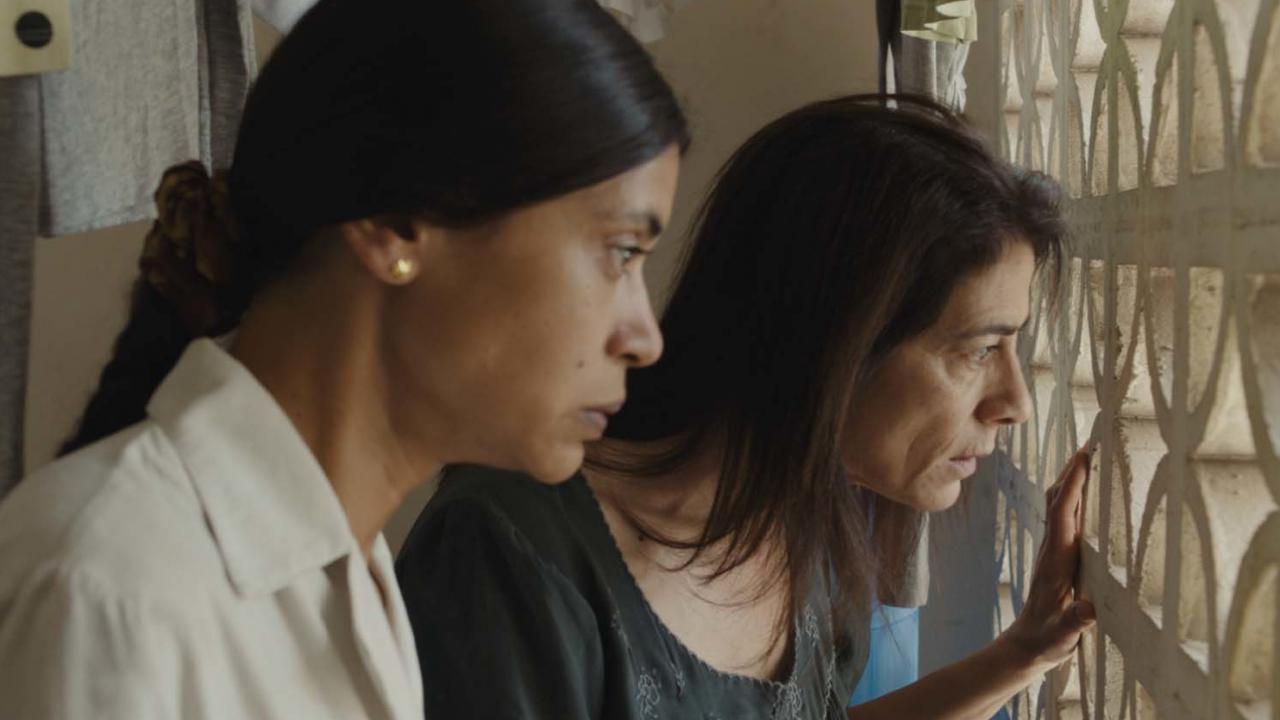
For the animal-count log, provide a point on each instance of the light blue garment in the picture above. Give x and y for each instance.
(894, 660)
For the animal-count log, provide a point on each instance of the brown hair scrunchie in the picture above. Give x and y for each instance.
(188, 256)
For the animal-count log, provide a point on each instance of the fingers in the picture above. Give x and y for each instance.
(1081, 616)
(1080, 505)
(1074, 621)
(1064, 505)
(1058, 560)
(1055, 490)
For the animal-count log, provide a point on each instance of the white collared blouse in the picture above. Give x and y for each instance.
(197, 565)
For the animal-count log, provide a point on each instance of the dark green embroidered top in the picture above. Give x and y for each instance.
(522, 607)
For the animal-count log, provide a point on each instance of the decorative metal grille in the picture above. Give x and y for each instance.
(1162, 120)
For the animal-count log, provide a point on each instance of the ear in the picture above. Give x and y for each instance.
(390, 247)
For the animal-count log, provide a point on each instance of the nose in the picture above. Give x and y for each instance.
(636, 339)
(1009, 400)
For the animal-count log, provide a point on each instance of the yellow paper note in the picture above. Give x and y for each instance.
(35, 36)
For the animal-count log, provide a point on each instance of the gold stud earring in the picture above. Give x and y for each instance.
(402, 269)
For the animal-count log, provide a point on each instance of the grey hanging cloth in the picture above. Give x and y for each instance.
(924, 45)
(19, 198)
(152, 83)
(889, 30)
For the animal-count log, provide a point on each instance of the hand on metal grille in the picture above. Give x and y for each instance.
(1054, 616)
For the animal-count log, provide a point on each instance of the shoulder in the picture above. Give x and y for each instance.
(496, 551)
(119, 516)
(489, 582)
(545, 521)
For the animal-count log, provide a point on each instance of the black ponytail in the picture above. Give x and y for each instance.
(145, 351)
(456, 111)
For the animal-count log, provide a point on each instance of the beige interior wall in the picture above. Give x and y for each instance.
(79, 305)
(737, 64)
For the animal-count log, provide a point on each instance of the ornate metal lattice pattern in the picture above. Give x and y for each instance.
(1161, 118)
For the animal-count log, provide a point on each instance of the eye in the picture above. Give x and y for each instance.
(627, 254)
(981, 355)
(625, 250)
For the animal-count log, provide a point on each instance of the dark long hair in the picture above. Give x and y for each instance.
(456, 111)
(830, 237)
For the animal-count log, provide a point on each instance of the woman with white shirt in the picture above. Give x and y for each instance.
(427, 251)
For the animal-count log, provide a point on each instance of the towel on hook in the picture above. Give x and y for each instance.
(152, 83)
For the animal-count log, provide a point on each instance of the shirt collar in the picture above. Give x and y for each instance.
(270, 506)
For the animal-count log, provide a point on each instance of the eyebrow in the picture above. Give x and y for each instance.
(645, 218)
(1004, 329)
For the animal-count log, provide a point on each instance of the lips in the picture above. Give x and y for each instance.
(968, 464)
(597, 418)
(607, 410)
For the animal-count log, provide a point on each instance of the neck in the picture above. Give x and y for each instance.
(674, 505)
(324, 372)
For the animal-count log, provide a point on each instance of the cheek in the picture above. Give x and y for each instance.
(509, 343)
(903, 429)
(874, 451)
(556, 340)
(530, 312)
(493, 335)
(538, 354)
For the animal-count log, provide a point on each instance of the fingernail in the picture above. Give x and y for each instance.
(1085, 612)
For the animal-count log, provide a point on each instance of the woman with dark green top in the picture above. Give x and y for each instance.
(524, 608)
(840, 346)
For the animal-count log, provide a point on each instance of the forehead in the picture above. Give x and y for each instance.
(650, 185)
(998, 294)
(644, 192)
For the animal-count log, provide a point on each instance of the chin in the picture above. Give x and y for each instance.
(933, 497)
(943, 498)
(556, 466)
